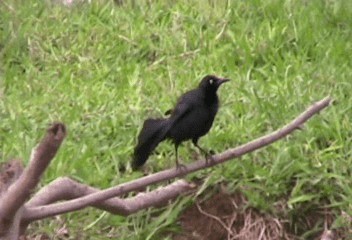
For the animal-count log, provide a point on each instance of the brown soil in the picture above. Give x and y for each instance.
(225, 216)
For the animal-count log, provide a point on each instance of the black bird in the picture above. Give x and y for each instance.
(191, 118)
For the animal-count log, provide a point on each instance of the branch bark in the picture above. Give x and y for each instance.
(328, 235)
(65, 188)
(9, 173)
(12, 200)
(35, 213)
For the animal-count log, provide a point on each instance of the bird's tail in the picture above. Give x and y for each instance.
(152, 133)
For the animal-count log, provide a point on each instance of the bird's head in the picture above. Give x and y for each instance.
(212, 83)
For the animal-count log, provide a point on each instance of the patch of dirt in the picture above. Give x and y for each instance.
(226, 216)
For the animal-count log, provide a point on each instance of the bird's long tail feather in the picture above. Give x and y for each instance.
(152, 133)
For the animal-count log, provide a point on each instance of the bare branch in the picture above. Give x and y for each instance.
(65, 188)
(328, 235)
(76, 204)
(9, 173)
(19, 191)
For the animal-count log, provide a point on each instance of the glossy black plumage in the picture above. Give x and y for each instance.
(191, 119)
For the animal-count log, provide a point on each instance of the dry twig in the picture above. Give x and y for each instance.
(12, 200)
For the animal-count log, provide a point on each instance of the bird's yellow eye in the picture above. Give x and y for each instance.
(211, 81)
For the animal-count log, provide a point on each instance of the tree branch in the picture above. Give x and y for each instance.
(65, 188)
(13, 199)
(9, 173)
(76, 204)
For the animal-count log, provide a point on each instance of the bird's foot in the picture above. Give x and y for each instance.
(180, 166)
(209, 157)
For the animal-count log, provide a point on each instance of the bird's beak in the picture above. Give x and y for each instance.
(223, 80)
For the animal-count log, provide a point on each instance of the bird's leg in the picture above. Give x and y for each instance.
(207, 154)
(178, 165)
(176, 151)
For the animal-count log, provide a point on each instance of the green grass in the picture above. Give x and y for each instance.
(102, 69)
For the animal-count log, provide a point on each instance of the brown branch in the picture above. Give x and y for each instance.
(9, 172)
(328, 235)
(76, 204)
(65, 188)
(16, 195)
(157, 197)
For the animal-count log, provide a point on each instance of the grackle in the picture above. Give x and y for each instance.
(191, 118)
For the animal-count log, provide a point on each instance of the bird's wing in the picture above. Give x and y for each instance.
(184, 105)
